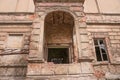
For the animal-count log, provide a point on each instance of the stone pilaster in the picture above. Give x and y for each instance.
(36, 42)
(85, 52)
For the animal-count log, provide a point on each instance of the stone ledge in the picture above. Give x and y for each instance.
(85, 59)
(110, 76)
(104, 63)
(13, 65)
(4, 22)
(12, 78)
(35, 60)
(14, 51)
(102, 19)
(63, 77)
(58, 1)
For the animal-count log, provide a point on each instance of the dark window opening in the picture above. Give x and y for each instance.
(58, 55)
(100, 49)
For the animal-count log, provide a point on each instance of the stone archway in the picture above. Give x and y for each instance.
(37, 65)
(59, 31)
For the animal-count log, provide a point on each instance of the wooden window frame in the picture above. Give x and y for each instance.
(70, 53)
(99, 46)
(105, 36)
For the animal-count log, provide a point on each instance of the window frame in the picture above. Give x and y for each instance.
(105, 36)
(70, 50)
(101, 54)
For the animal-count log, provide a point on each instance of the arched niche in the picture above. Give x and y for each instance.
(59, 40)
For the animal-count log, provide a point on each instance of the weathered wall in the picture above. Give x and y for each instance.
(13, 63)
(59, 27)
(112, 33)
(59, 33)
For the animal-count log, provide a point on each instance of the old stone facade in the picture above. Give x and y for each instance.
(59, 40)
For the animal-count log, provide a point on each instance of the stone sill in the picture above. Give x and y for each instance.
(13, 65)
(104, 63)
(18, 53)
(101, 63)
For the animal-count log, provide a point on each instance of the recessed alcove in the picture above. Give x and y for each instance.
(58, 32)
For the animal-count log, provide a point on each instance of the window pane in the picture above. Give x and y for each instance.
(105, 57)
(95, 42)
(58, 55)
(103, 51)
(101, 41)
(98, 54)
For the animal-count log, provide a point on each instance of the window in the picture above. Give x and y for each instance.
(14, 41)
(58, 55)
(100, 49)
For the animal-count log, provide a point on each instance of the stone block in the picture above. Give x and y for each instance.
(36, 31)
(84, 46)
(61, 69)
(34, 45)
(35, 38)
(115, 41)
(2, 42)
(33, 53)
(74, 68)
(112, 37)
(104, 68)
(2, 38)
(112, 69)
(2, 71)
(2, 46)
(86, 67)
(82, 31)
(82, 25)
(34, 69)
(47, 69)
(115, 30)
(86, 53)
(84, 38)
(76, 8)
(118, 69)
(113, 33)
(13, 60)
(15, 41)
(117, 37)
(36, 25)
(12, 71)
(79, 13)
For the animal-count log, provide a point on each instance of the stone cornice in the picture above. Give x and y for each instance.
(16, 18)
(102, 19)
(59, 1)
